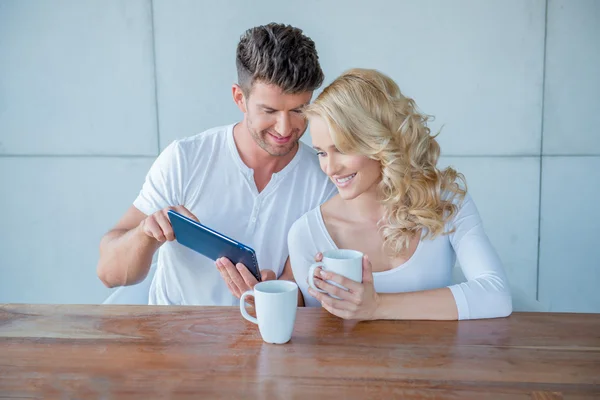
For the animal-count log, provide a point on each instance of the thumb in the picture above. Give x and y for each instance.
(267, 275)
(184, 211)
(367, 270)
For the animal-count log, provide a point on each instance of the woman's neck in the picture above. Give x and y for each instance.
(366, 208)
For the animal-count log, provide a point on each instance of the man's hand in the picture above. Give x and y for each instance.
(158, 226)
(238, 278)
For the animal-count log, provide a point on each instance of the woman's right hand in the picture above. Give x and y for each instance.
(318, 258)
(358, 301)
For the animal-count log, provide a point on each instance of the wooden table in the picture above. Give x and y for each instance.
(106, 352)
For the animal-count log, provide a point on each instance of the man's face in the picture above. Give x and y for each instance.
(274, 119)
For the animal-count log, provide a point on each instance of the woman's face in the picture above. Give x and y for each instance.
(353, 174)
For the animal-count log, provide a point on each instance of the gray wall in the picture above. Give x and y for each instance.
(90, 91)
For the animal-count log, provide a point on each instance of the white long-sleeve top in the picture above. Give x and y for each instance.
(485, 294)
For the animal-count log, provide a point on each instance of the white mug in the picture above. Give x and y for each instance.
(343, 262)
(275, 304)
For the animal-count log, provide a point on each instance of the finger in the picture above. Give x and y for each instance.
(349, 284)
(247, 276)
(222, 270)
(317, 272)
(144, 227)
(234, 291)
(314, 293)
(324, 298)
(165, 226)
(249, 300)
(339, 305)
(184, 211)
(227, 279)
(152, 229)
(268, 275)
(334, 290)
(327, 303)
(337, 312)
(234, 275)
(223, 273)
(316, 275)
(319, 257)
(367, 270)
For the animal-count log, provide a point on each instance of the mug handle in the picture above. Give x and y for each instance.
(311, 276)
(243, 307)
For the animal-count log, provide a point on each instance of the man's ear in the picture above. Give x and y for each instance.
(239, 98)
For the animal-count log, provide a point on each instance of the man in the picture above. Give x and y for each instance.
(250, 181)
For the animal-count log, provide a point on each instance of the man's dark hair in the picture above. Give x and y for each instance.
(280, 55)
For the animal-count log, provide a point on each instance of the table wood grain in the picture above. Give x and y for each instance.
(106, 352)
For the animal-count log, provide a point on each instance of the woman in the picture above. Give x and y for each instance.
(410, 219)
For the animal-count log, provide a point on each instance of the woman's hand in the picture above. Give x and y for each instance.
(359, 302)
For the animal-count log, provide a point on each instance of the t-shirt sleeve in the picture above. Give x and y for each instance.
(163, 185)
(486, 293)
(302, 250)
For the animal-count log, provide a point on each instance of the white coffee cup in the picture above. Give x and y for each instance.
(347, 263)
(275, 304)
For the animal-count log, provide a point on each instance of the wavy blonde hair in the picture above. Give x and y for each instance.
(367, 114)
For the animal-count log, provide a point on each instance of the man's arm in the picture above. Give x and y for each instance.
(126, 251)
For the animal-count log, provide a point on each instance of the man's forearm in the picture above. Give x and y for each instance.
(125, 257)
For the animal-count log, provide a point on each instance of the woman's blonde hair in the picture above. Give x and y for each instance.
(367, 114)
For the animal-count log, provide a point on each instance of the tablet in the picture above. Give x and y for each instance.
(211, 243)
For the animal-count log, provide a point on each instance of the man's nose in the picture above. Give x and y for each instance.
(284, 125)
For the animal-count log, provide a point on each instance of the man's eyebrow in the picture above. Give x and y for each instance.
(302, 106)
(299, 108)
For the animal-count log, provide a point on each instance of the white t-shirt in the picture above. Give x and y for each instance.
(486, 293)
(205, 174)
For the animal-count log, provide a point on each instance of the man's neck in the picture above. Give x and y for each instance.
(256, 157)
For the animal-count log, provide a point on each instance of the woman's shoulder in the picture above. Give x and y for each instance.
(331, 207)
(459, 196)
(307, 236)
(466, 216)
(305, 225)
(313, 220)
(464, 204)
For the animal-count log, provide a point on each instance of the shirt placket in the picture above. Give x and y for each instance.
(254, 215)
(258, 202)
